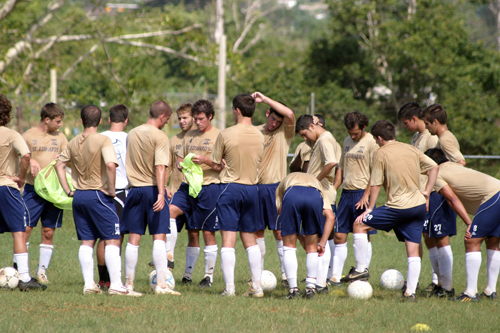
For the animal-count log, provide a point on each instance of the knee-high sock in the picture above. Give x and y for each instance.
(45, 256)
(360, 251)
(14, 257)
(340, 256)
(160, 262)
(228, 262)
(210, 260)
(472, 266)
(324, 263)
(369, 255)
(172, 239)
(114, 265)
(414, 265)
(434, 258)
(22, 260)
(445, 264)
(332, 257)
(279, 246)
(192, 254)
(254, 261)
(131, 257)
(291, 265)
(493, 265)
(85, 256)
(311, 269)
(261, 242)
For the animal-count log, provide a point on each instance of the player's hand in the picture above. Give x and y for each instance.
(259, 97)
(18, 181)
(169, 194)
(108, 192)
(321, 250)
(223, 163)
(35, 167)
(178, 166)
(361, 218)
(160, 202)
(199, 159)
(468, 235)
(363, 202)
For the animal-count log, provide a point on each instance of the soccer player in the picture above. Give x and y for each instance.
(301, 157)
(475, 193)
(93, 160)
(303, 208)
(147, 160)
(118, 119)
(237, 154)
(13, 149)
(357, 157)
(397, 166)
(45, 143)
(278, 132)
(201, 211)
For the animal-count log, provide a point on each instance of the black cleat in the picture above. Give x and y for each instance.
(321, 290)
(170, 264)
(205, 283)
(464, 298)
(446, 293)
(31, 285)
(331, 283)
(411, 298)
(354, 275)
(434, 292)
(430, 288)
(151, 264)
(492, 296)
(186, 280)
(284, 283)
(310, 293)
(293, 294)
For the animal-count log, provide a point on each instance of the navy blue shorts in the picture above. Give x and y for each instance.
(138, 212)
(95, 216)
(39, 208)
(180, 220)
(238, 207)
(486, 222)
(12, 210)
(441, 220)
(301, 212)
(347, 212)
(268, 214)
(202, 211)
(408, 223)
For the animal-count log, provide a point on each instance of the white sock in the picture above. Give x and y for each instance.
(14, 257)
(86, 258)
(330, 266)
(291, 265)
(45, 256)
(173, 239)
(210, 260)
(192, 254)
(414, 265)
(472, 266)
(324, 263)
(493, 265)
(22, 266)
(261, 242)
(340, 256)
(360, 251)
(114, 265)
(434, 258)
(228, 262)
(369, 255)
(160, 262)
(131, 257)
(445, 263)
(311, 269)
(254, 262)
(279, 246)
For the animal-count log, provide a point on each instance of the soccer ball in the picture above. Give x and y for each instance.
(9, 278)
(392, 279)
(359, 290)
(268, 281)
(152, 280)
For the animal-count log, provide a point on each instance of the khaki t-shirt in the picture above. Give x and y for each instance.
(304, 150)
(448, 143)
(201, 144)
(300, 179)
(424, 140)
(12, 148)
(397, 166)
(44, 148)
(147, 147)
(272, 168)
(356, 161)
(88, 155)
(472, 187)
(176, 176)
(242, 147)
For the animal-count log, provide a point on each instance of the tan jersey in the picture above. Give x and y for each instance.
(176, 176)
(272, 168)
(44, 148)
(242, 147)
(448, 143)
(472, 187)
(201, 144)
(424, 140)
(12, 148)
(147, 147)
(304, 151)
(89, 155)
(326, 150)
(356, 161)
(300, 179)
(397, 166)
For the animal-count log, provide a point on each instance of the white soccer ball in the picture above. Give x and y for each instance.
(9, 278)
(268, 281)
(152, 280)
(359, 290)
(392, 279)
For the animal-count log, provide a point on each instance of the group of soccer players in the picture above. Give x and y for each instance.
(121, 179)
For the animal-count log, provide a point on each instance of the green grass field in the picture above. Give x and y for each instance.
(63, 308)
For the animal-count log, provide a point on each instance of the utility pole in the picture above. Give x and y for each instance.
(53, 86)
(312, 104)
(220, 38)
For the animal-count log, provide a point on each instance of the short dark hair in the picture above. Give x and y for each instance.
(118, 113)
(410, 110)
(203, 106)
(435, 111)
(5, 110)
(321, 120)
(437, 155)
(271, 110)
(91, 116)
(245, 103)
(385, 129)
(355, 118)
(184, 108)
(159, 108)
(51, 110)
(303, 122)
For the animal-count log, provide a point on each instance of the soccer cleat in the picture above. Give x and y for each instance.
(93, 290)
(31, 285)
(464, 298)
(228, 293)
(331, 283)
(430, 287)
(170, 264)
(249, 282)
(151, 264)
(105, 285)
(310, 293)
(186, 280)
(446, 293)
(284, 283)
(42, 278)
(163, 291)
(321, 290)
(434, 292)
(411, 298)
(124, 292)
(293, 294)
(492, 296)
(354, 275)
(205, 283)
(254, 293)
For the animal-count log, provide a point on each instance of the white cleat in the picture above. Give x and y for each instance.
(93, 290)
(124, 292)
(42, 278)
(228, 293)
(163, 291)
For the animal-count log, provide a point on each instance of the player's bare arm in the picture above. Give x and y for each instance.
(329, 223)
(288, 116)
(35, 167)
(160, 180)
(111, 173)
(364, 202)
(61, 174)
(19, 180)
(326, 170)
(433, 173)
(374, 192)
(338, 179)
(458, 207)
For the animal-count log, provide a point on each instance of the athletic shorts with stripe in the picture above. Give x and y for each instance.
(39, 208)
(12, 210)
(441, 220)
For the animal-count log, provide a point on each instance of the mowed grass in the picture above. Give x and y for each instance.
(63, 308)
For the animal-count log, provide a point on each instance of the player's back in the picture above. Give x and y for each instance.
(273, 166)
(448, 143)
